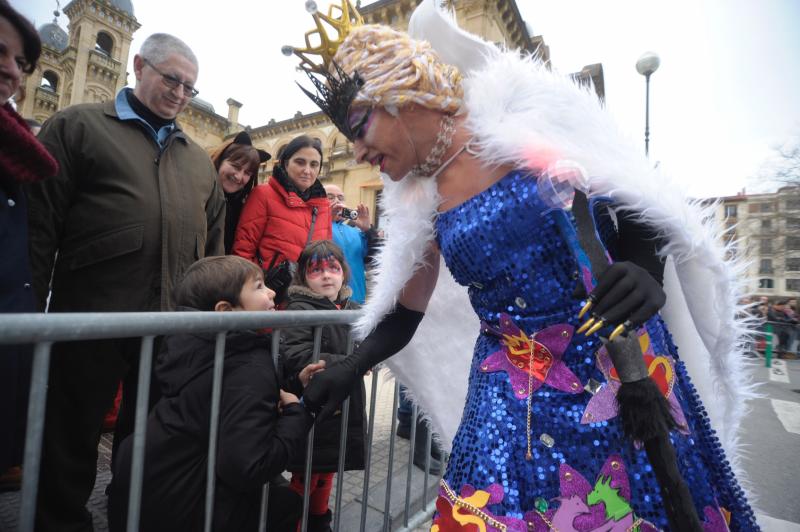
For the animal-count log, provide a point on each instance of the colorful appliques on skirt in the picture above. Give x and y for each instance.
(467, 512)
(603, 404)
(604, 506)
(583, 507)
(531, 362)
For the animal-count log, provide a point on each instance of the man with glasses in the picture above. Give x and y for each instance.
(135, 203)
(357, 241)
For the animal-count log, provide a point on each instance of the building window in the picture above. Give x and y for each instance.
(730, 211)
(766, 283)
(766, 246)
(50, 81)
(767, 207)
(793, 204)
(766, 225)
(104, 44)
(793, 264)
(793, 285)
(792, 243)
(792, 223)
(765, 266)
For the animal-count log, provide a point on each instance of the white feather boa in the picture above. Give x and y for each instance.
(521, 114)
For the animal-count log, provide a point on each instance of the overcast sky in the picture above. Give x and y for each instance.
(725, 94)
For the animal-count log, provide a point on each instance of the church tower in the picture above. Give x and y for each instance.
(85, 65)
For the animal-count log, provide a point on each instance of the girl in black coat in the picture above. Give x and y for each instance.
(320, 284)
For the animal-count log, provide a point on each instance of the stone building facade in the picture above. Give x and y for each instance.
(764, 229)
(87, 64)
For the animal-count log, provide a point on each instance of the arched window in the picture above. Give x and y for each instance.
(104, 44)
(50, 81)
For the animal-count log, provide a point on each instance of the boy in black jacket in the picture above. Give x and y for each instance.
(261, 427)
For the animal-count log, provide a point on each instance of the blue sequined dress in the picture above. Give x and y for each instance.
(507, 248)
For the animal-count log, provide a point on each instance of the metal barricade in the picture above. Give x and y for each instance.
(45, 329)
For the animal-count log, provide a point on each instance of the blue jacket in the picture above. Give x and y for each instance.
(355, 245)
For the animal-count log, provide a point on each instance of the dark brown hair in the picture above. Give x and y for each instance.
(318, 250)
(214, 279)
(31, 44)
(297, 144)
(241, 155)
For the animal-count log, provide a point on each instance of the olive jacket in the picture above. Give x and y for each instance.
(125, 215)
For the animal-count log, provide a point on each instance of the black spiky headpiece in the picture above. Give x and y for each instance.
(335, 95)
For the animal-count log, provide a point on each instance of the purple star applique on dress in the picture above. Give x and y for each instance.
(531, 362)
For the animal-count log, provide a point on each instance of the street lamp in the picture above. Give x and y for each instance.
(646, 65)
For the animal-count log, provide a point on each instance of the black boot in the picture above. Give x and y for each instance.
(421, 451)
(320, 523)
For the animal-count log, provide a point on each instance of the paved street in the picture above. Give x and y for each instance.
(771, 435)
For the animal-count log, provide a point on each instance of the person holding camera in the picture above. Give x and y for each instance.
(353, 233)
(283, 215)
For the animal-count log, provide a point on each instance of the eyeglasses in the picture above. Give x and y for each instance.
(172, 82)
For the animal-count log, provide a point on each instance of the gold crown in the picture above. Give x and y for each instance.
(348, 17)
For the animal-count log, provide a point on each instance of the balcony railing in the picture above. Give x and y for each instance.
(48, 96)
(103, 61)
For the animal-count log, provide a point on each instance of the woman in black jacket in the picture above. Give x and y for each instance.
(320, 284)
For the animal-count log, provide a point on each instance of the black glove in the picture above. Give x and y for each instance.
(626, 293)
(330, 387)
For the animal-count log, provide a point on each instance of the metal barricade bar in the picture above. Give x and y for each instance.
(58, 327)
(310, 442)
(216, 398)
(140, 433)
(387, 501)
(368, 447)
(337, 508)
(33, 435)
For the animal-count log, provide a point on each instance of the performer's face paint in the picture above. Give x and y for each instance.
(325, 277)
(377, 143)
(396, 140)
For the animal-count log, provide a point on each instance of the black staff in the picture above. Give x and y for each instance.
(643, 409)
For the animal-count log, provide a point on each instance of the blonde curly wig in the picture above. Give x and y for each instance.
(398, 70)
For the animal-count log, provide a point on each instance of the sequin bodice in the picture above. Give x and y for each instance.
(505, 245)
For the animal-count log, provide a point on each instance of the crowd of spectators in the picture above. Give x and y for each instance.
(779, 317)
(112, 207)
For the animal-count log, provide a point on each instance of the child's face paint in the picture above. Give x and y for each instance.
(325, 277)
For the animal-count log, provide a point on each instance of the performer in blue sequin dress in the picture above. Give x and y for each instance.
(488, 243)
(539, 445)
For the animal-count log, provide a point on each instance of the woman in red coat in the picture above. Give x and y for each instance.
(284, 214)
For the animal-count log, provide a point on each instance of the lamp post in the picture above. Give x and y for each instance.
(646, 65)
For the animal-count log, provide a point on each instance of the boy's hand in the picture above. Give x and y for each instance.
(308, 372)
(287, 399)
